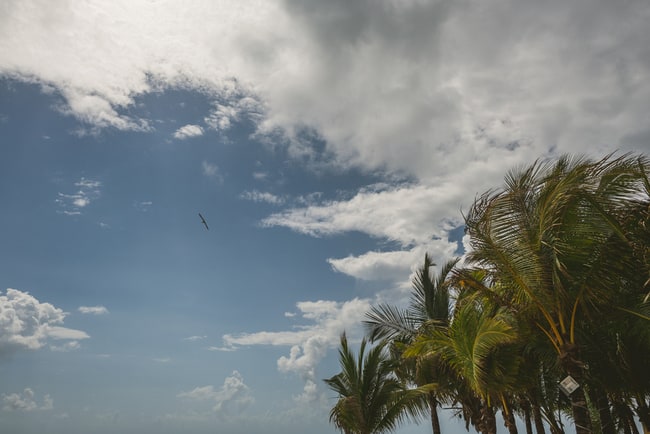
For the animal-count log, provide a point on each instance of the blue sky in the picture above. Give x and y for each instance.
(328, 145)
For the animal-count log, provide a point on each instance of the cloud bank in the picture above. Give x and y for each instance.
(387, 84)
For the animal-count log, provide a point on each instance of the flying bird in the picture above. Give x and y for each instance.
(204, 222)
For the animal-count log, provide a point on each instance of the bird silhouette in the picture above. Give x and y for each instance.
(204, 222)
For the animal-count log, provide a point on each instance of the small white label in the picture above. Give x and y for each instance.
(568, 385)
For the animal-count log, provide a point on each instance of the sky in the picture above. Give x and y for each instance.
(328, 145)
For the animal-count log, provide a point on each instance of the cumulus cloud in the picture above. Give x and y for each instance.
(309, 343)
(232, 398)
(25, 401)
(28, 324)
(72, 203)
(93, 310)
(188, 131)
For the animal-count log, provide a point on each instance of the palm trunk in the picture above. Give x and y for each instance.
(433, 407)
(572, 365)
(509, 422)
(488, 423)
(528, 422)
(537, 416)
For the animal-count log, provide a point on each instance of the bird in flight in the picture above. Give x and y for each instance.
(204, 222)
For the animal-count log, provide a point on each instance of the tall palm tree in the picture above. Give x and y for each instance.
(371, 400)
(428, 307)
(554, 240)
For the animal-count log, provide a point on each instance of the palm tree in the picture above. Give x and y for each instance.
(371, 400)
(479, 345)
(428, 307)
(553, 239)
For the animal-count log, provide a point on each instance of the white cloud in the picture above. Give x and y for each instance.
(393, 266)
(463, 81)
(162, 359)
(27, 324)
(260, 176)
(220, 118)
(310, 343)
(232, 398)
(25, 401)
(416, 217)
(68, 346)
(222, 349)
(188, 131)
(195, 338)
(62, 333)
(401, 214)
(211, 170)
(93, 310)
(258, 196)
(88, 190)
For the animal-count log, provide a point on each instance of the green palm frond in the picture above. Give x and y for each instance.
(371, 399)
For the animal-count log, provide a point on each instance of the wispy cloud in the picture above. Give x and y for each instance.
(195, 338)
(66, 347)
(309, 343)
(28, 324)
(211, 170)
(188, 131)
(88, 190)
(93, 310)
(222, 349)
(415, 218)
(260, 176)
(26, 401)
(258, 196)
(222, 116)
(143, 205)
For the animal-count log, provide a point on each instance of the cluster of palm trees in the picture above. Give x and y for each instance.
(546, 320)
